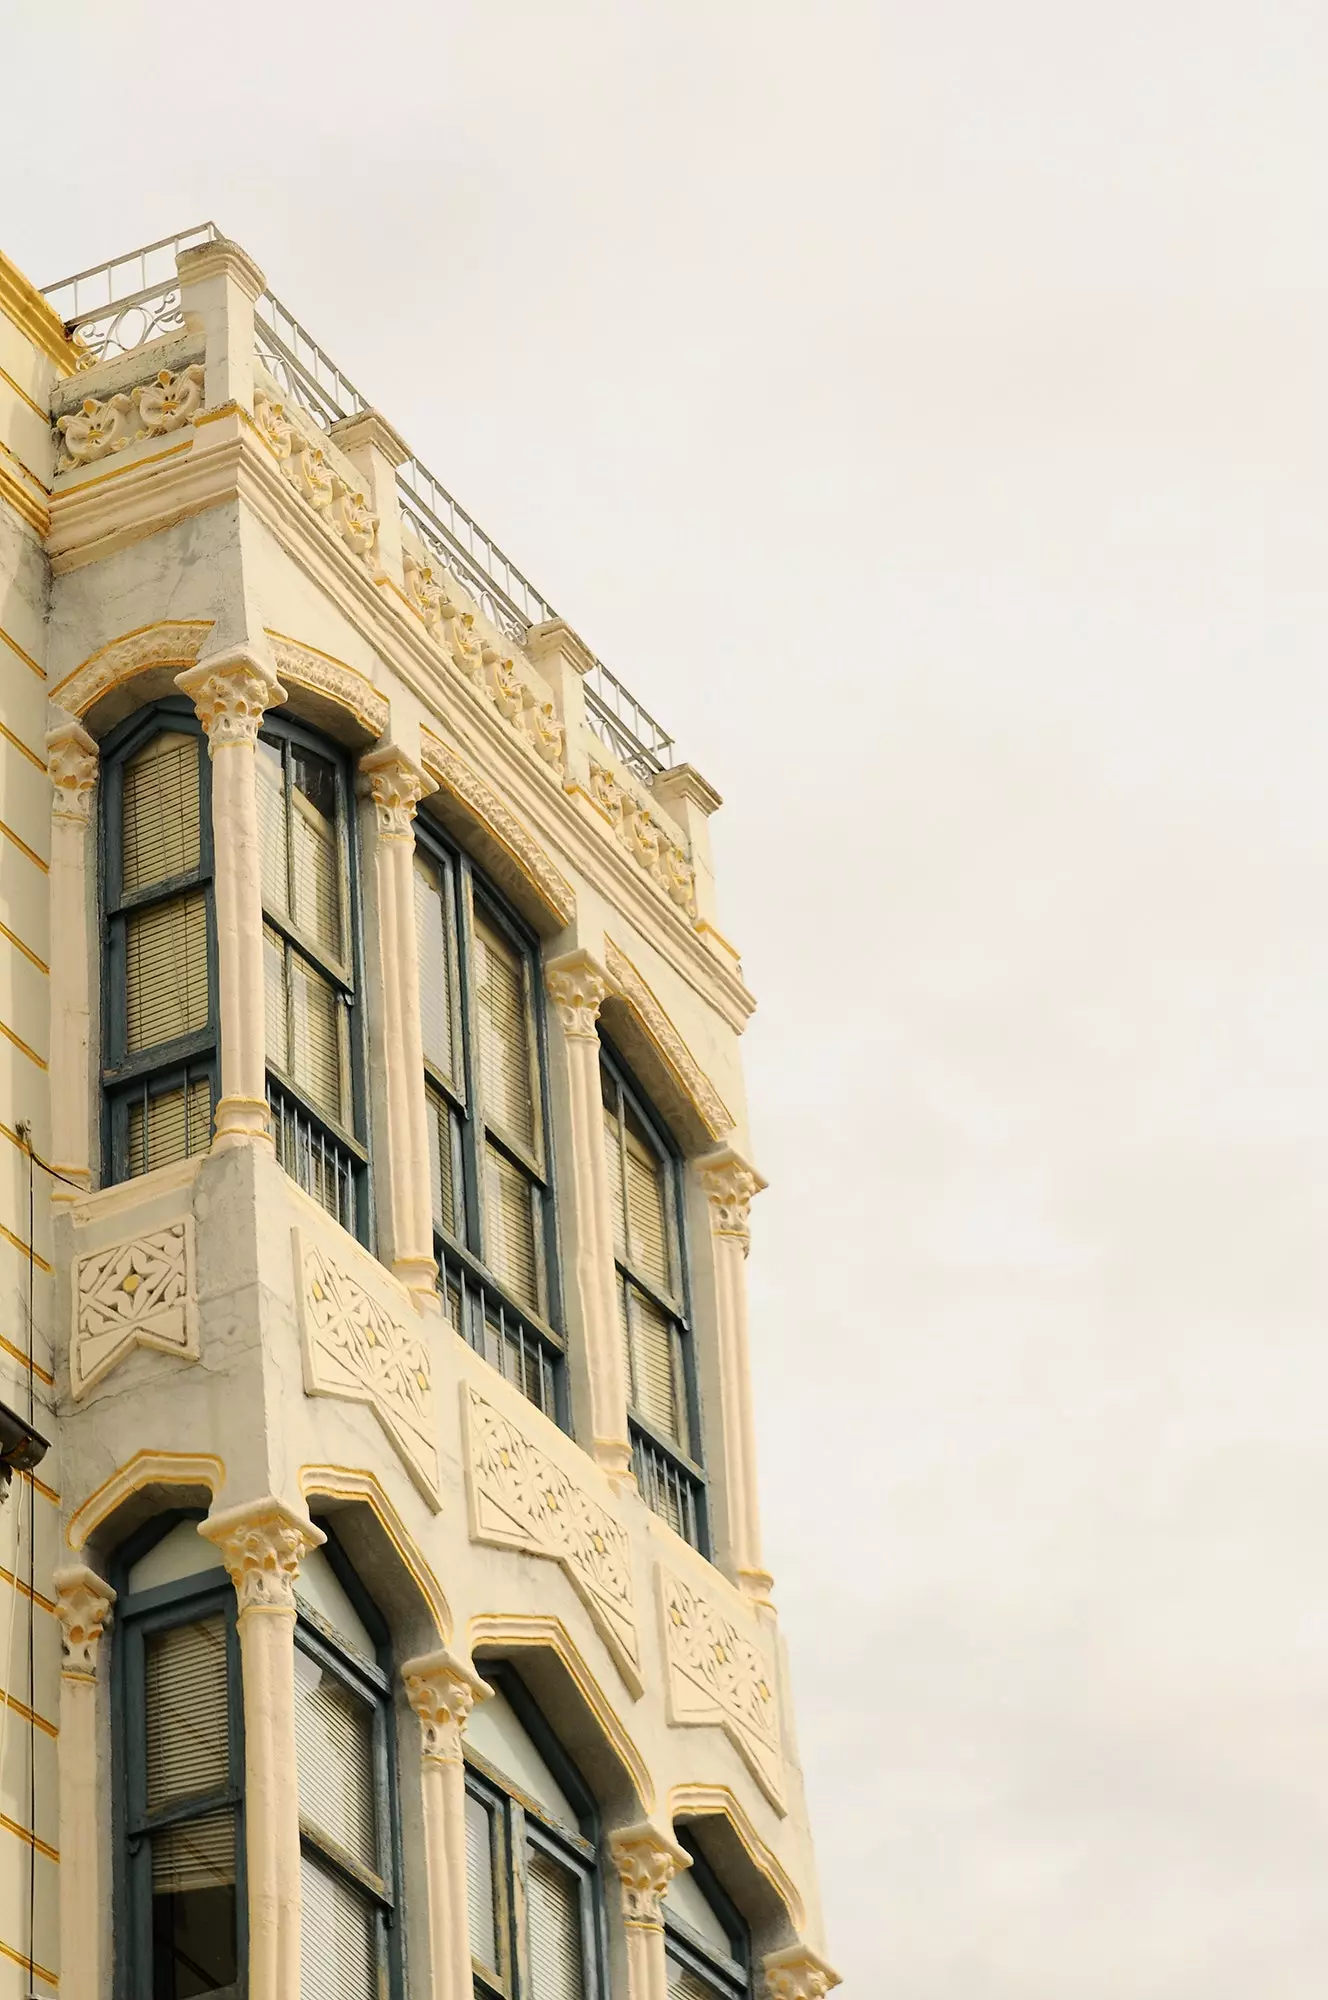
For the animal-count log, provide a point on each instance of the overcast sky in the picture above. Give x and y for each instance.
(920, 405)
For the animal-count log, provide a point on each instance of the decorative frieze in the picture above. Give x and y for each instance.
(514, 848)
(357, 1350)
(719, 1675)
(151, 409)
(171, 642)
(331, 678)
(519, 1499)
(141, 1293)
(83, 1606)
(342, 509)
(645, 839)
(490, 671)
(700, 1101)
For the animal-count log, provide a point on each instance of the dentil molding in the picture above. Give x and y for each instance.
(139, 1293)
(718, 1675)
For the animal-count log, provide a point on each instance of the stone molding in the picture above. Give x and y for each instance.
(396, 784)
(523, 852)
(231, 692)
(798, 1973)
(137, 1293)
(262, 1545)
(520, 1499)
(342, 508)
(487, 668)
(72, 759)
(331, 678)
(689, 1080)
(729, 1185)
(442, 1690)
(717, 1675)
(166, 402)
(170, 642)
(577, 987)
(83, 1603)
(646, 1861)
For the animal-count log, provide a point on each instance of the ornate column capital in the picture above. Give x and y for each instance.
(262, 1544)
(798, 1973)
(646, 1861)
(83, 1603)
(442, 1690)
(729, 1185)
(72, 758)
(396, 784)
(578, 987)
(230, 692)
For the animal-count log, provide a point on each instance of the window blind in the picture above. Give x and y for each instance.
(159, 836)
(166, 971)
(510, 1228)
(647, 1216)
(315, 856)
(654, 1373)
(479, 1882)
(195, 1854)
(685, 1984)
(553, 1926)
(441, 1176)
(188, 1717)
(617, 1186)
(273, 863)
(276, 1031)
(174, 1125)
(317, 1055)
(431, 928)
(504, 1038)
(335, 1763)
(338, 1937)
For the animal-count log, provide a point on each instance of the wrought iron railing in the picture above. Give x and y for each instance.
(116, 307)
(674, 1493)
(505, 1338)
(314, 1160)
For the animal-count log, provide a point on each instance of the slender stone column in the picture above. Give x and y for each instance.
(398, 784)
(798, 1973)
(577, 987)
(83, 1606)
(262, 1545)
(230, 692)
(442, 1693)
(647, 1861)
(729, 1185)
(71, 759)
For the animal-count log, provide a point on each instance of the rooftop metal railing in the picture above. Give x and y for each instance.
(114, 308)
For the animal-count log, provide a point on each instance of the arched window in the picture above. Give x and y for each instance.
(649, 1251)
(482, 1022)
(310, 964)
(536, 1918)
(159, 1013)
(706, 1943)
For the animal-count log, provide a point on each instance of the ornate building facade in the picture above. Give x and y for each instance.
(380, 1567)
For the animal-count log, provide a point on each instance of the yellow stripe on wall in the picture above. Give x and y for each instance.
(32, 1965)
(26, 658)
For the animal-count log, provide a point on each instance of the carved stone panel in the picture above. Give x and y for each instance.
(141, 1293)
(356, 1349)
(718, 1675)
(519, 1499)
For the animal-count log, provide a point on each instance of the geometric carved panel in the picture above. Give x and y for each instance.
(355, 1349)
(718, 1675)
(519, 1499)
(135, 1294)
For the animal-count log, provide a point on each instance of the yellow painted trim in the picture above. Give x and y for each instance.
(19, 1043)
(17, 1583)
(22, 393)
(575, 791)
(19, 744)
(291, 670)
(145, 1468)
(711, 1801)
(33, 1965)
(7, 1346)
(136, 632)
(36, 318)
(16, 493)
(344, 1482)
(32, 1839)
(670, 1049)
(19, 841)
(26, 658)
(119, 471)
(25, 468)
(47, 1492)
(30, 1714)
(26, 950)
(707, 929)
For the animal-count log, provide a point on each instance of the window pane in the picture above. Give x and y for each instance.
(510, 1228)
(684, 1984)
(335, 1762)
(504, 1039)
(187, 1712)
(275, 1030)
(159, 813)
(317, 1055)
(193, 1908)
(166, 971)
(315, 855)
(657, 1391)
(435, 949)
(617, 1191)
(441, 1177)
(646, 1209)
(553, 1920)
(174, 1125)
(272, 829)
(479, 1882)
(338, 1937)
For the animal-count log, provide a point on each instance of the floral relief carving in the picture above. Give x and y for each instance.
(442, 1693)
(577, 989)
(151, 409)
(323, 675)
(729, 1185)
(136, 1294)
(71, 759)
(519, 1499)
(231, 693)
(796, 1973)
(718, 1675)
(83, 1606)
(355, 1349)
(690, 1079)
(170, 401)
(645, 840)
(523, 851)
(339, 506)
(646, 1863)
(397, 785)
(262, 1548)
(173, 642)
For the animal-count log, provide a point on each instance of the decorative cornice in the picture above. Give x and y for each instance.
(83, 1605)
(231, 692)
(397, 785)
(681, 1066)
(262, 1544)
(577, 987)
(501, 824)
(169, 642)
(646, 1861)
(35, 317)
(442, 1691)
(798, 1973)
(729, 1185)
(72, 759)
(323, 675)
(684, 781)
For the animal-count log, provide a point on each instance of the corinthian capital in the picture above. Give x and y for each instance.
(83, 1606)
(230, 692)
(729, 1184)
(797, 1973)
(577, 988)
(262, 1545)
(71, 759)
(442, 1691)
(647, 1861)
(397, 784)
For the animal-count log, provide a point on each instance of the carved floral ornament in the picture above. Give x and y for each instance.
(83, 1606)
(397, 785)
(140, 1293)
(490, 672)
(798, 1973)
(500, 825)
(262, 1547)
(661, 857)
(729, 1185)
(342, 510)
(151, 409)
(718, 1675)
(231, 692)
(646, 1861)
(442, 1691)
(578, 989)
(71, 759)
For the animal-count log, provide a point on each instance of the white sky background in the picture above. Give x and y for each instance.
(920, 405)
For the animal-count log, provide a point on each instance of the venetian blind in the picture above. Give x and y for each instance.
(315, 856)
(441, 1187)
(273, 861)
(617, 1188)
(338, 1937)
(334, 1761)
(431, 930)
(174, 1125)
(188, 1713)
(194, 1854)
(317, 1056)
(504, 1037)
(685, 1984)
(166, 971)
(479, 1882)
(647, 1218)
(510, 1228)
(159, 813)
(553, 1926)
(276, 1033)
(654, 1374)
